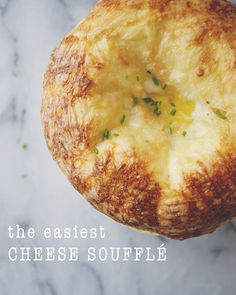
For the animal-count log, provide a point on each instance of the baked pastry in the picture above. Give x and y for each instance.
(139, 111)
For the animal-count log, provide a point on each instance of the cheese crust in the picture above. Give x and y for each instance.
(139, 111)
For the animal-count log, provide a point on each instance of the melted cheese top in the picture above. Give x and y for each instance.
(138, 61)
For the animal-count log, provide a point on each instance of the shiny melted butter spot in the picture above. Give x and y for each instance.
(182, 118)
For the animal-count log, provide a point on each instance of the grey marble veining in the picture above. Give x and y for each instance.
(34, 193)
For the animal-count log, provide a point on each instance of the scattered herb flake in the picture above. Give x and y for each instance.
(95, 150)
(164, 86)
(135, 100)
(173, 112)
(151, 101)
(184, 133)
(156, 81)
(126, 77)
(154, 103)
(137, 78)
(173, 104)
(148, 99)
(221, 114)
(208, 102)
(122, 120)
(105, 134)
(24, 146)
(116, 134)
(157, 112)
(171, 130)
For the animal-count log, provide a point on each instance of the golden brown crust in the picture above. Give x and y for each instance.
(129, 195)
(128, 192)
(209, 200)
(128, 179)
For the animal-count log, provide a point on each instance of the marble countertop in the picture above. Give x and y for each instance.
(34, 193)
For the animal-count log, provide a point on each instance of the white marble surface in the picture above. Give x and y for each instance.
(33, 192)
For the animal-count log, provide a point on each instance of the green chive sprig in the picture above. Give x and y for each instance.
(122, 119)
(95, 150)
(156, 81)
(105, 134)
(24, 146)
(173, 112)
(220, 114)
(154, 104)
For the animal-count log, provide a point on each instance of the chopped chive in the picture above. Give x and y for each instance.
(151, 101)
(147, 99)
(154, 103)
(135, 100)
(105, 134)
(220, 114)
(171, 130)
(122, 120)
(95, 150)
(173, 104)
(116, 134)
(126, 77)
(156, 81)
(208, 102)
(137, 78)
(24, 146)
(157, 112)
(173, 112)
(184, 133)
